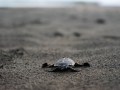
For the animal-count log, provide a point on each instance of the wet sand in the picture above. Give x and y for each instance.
(31, 37)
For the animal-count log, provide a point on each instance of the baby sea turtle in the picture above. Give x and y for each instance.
(64, 64)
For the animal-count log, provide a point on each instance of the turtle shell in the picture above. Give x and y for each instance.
(64, 62)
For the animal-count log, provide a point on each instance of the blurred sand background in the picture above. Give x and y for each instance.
(33, 36)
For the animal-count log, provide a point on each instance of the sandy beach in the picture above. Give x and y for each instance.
(30, 37)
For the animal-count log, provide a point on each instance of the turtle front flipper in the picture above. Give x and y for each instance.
(46, 65)
(77, 65)
(83, 65)
(86, 64)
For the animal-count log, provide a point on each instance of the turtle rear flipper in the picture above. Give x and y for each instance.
(72, 70)
(55, 70)
(63, 70)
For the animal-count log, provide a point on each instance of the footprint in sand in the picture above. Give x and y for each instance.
(1, 66)
(58, 34)
(19, 52)
(100, 21)
(112, 37)
(1, 76)
(76, 34)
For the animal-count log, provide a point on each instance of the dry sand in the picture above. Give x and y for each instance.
(31, 37)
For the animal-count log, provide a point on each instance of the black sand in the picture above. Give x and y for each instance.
(31, 37)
